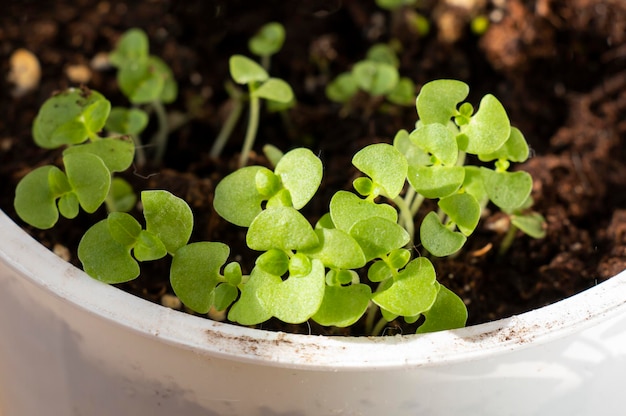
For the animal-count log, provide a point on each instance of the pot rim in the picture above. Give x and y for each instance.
(203, 336)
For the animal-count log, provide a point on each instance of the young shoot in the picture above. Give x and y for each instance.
(73, 119)
(145, 80)
(261, 86)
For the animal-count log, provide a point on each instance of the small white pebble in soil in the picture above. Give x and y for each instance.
(171, 301)
(100, 62)
(80, 74)
(25, 72)
(61, 251)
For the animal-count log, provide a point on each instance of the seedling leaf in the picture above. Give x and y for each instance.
(300, 172)
(531, 224)
(376, 78)
(268, 40)
(488, 128)
(337, 250)
(127, 120)
(437, 140)
(514, 149)
(281, 227)
(123, 228)
(342, 88)
(508, 190)
(104, 258)
(132, 46)
(448, 312)
(70, 117)
(378, 236)
(463, 210)
(296, 299)
(35, 202)
(385, 165)
(342, 306)
(89, 178)
(244, 70)
(437, 100)
(116, 153)
(347, 209)
(439, 240)
(248, 310)
(195, 271)
(237, 199)
(412, 292)
(168, 217)
(436, 181)
(275, 89)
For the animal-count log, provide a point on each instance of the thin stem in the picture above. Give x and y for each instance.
(160, 138)
(509, 237)
(406, 219)
(380, 325)
(140, 153)
(369, 318)
(253, 125)
(416, 204)
(227, 127)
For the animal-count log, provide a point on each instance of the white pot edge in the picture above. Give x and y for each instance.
(207, 337)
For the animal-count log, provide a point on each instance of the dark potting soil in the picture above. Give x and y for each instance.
(558, 67)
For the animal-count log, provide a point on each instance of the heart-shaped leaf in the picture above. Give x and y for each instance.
(116, 153)
(436, 181)
(168, 217)
(283, 228)
(342, 88)
(296, 299)
(437, 140)
(300, 171)
(275, 89)
(507, 190)
(532, 224)
(123, 228)
(244, 70)
(343, 305)
(132, 46)
(378, 236)
(346, 209)
(268, 40)
(439, 240)
(448, 312)
(195, 272)
(237, 199)
(70, 117)
(248, 310)
(514, 149)
(488, 129)
(35, 201)
(89, 177)
(463, 210)
(337, 249)
(437, 100)
(385, 165)
(412, 292)
(377, 78)
(104, 258)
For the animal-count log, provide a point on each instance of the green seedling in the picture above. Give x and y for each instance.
(244, 71)
(73, 119)
(145, 80)
(377, 75)
(356, 262)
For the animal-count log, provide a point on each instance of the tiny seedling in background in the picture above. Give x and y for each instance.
(377, 75)
(145, 80)
(246, 71)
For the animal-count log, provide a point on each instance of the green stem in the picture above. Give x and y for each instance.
(159, 140)
(227, 127)
(380, 325)
(253, 125)
(140, 153)
(508, 239)
(416, 204)
(406, 219)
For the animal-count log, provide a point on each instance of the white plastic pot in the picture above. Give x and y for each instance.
(70, 345)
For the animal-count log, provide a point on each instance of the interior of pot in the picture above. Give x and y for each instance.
(20, 253)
